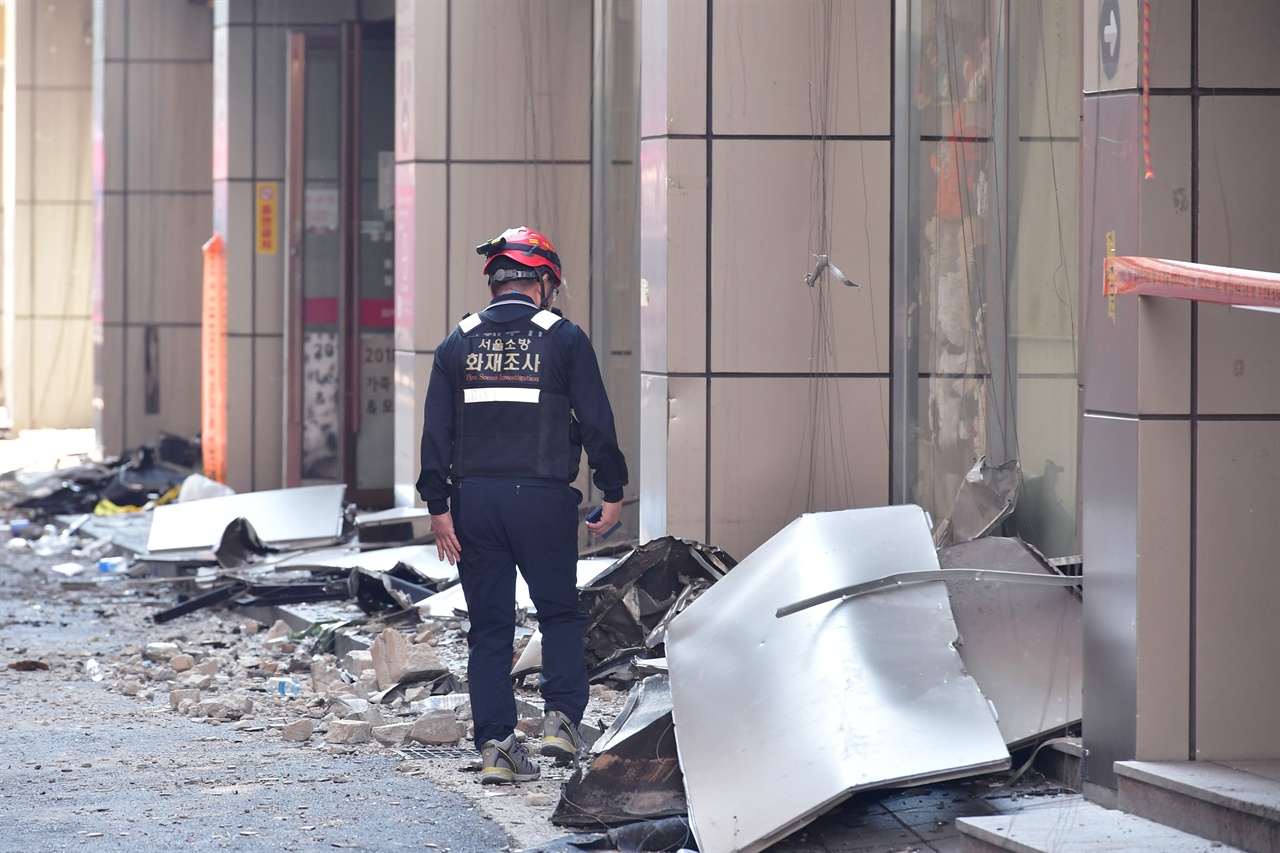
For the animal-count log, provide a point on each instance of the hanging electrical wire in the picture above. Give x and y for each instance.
(825, 466)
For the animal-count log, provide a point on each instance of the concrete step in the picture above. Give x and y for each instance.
(1236, 802)
(1075, 825)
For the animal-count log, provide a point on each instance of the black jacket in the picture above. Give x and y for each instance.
(516, 392)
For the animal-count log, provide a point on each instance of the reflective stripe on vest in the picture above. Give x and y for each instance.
(545, 320)
(500, 395)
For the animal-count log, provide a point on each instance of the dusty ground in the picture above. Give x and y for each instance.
(82, 760)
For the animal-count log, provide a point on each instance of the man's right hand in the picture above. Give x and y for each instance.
(447, 545)
(609, 516)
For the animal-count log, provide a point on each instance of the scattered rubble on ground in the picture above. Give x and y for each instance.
(290, 614)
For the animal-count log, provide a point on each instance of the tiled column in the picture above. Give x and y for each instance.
(422, 199)
(729, 207)
(47, 359)
(482, 146)
(152, 197)
(250, 79)
(1179, 432)
(673, 269)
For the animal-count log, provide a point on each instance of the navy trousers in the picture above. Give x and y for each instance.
(502, 523)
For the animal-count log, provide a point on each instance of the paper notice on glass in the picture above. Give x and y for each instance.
(320, 212)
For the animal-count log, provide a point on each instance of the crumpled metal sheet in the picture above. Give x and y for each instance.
(987, 497)
(648, 701)
(1023, 644)
(281, 517)
(778, 720)
(629, 605)
(635, 774)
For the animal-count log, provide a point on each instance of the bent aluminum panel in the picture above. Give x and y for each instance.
(446, 601)
(949, 575)
(310, 514)
(423, 558)
(777, 720)
(1023, 644)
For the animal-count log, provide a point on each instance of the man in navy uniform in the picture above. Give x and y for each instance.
(515, 395)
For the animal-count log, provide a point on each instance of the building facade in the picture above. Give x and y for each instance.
(718, 175)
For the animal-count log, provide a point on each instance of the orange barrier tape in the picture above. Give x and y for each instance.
(213, 357)
(1197, 282)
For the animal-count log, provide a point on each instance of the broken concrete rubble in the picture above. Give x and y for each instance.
(348, 731)
(436, 728)
(299, 731)
(395, 660)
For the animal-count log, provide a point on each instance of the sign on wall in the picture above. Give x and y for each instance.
(266, 225)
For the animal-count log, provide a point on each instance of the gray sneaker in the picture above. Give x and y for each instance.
(560, 738)
(505, 761)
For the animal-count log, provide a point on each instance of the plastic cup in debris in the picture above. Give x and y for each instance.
(52, 543)
(282, 686)
(93, 670)
(113, 565)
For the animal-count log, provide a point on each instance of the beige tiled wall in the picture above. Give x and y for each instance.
(152, 73)
(484, 145)
(1237, 639)
(1164, 570)
(1207, 395)
(47, 354)
(728, 220)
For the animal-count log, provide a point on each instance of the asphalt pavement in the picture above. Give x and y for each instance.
(82, 767)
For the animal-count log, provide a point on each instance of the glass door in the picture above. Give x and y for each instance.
(340, 303)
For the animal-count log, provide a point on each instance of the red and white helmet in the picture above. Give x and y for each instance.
(524, 246)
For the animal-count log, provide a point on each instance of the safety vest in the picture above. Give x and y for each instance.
(511, 410)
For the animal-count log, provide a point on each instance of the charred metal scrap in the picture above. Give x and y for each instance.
(628, 607)
(144, 474)
(636, 772)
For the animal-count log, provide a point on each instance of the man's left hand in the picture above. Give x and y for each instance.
(447, 545)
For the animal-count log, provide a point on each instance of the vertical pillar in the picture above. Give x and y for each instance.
(674, 269)
(482, 146)
(422, 233)
(1135, 441)
(152, 96)
(47, 338)
(250, 73)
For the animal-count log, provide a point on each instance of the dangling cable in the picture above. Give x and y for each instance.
(1146, 87)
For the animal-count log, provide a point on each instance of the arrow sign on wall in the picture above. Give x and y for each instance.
(1109, 31)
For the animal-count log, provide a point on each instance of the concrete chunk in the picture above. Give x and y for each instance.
(395, 660)
(357, 661)
(182, 663)
(176, 697)
(348, 731)
(437, 728)
(393, 734)
(298, 731)
(218, 710)
(160, 652)
(206, 667)
(279, 629)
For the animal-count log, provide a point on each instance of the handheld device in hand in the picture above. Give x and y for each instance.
(595, 515)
